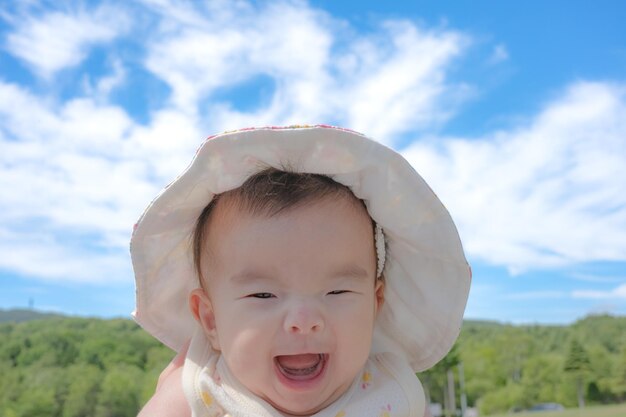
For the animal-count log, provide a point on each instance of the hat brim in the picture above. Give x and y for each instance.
(427, 275)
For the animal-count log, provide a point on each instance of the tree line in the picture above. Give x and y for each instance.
(77, 367)
(80, 367)
(511, 368)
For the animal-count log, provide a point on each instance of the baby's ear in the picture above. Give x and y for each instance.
(202, 310)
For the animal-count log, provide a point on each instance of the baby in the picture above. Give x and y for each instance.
(320, 270)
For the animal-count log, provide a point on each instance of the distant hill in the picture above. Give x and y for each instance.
(20, 315)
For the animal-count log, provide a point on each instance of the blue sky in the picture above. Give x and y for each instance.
(514, 112)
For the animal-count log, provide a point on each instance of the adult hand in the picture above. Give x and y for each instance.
(169, 399)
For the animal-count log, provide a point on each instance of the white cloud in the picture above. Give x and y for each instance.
(499, 54)
(598, 278)
(385, 82)
(199, 53)
(536, 295)
(102, 87)
(544, 194)
(66, 172)
(75, 176)
(547, 194)
(57, 40)
(84, 169)
(40, 254)
(616, 293)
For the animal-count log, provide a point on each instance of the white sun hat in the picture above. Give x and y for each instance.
(426, 273)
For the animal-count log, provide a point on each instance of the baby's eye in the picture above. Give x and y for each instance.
(335, 292)
(262, 295)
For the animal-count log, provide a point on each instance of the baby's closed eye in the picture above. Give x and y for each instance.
(336, 292)
(262, 295)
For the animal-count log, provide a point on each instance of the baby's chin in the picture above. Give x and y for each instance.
(299, 409)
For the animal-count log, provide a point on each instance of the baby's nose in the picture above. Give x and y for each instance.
(304, 319)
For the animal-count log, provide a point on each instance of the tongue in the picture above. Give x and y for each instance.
(307, 360)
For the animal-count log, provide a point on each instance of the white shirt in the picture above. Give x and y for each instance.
(386, 387)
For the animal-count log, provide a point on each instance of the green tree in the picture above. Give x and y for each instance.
(120, 392)
(38, 402)
(437, 380)
(603, 369)
(506, 398)
(157, 359)
(542, 378)
(43, 392)
(83, 390)
(577, 364)
(479, 362)
(10, 388)
(618, 382)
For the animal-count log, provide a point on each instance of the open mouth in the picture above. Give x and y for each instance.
(302, 367)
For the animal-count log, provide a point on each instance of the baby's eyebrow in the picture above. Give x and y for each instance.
(247, 276)
(352, 272)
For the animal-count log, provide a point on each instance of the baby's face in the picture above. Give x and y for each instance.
(294, 298)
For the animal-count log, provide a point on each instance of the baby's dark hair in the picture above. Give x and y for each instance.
(270, 192)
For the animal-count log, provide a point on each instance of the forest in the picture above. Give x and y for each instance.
(55, 366)
(511, 368)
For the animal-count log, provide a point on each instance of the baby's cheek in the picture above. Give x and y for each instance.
(357, 330)
(246, 346)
